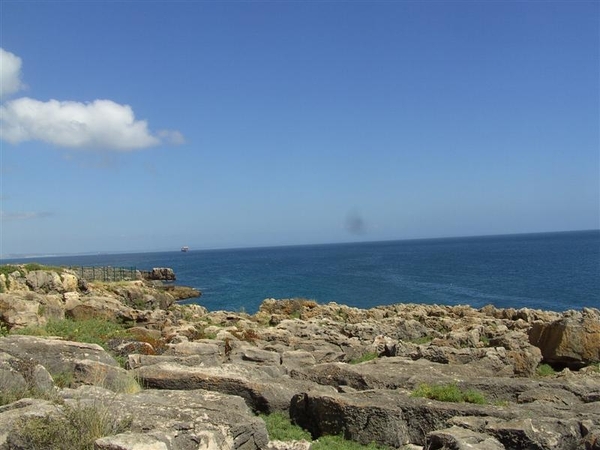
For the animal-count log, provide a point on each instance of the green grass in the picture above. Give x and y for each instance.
(91, 331)
(422, 340)
(76, 429)
(281, 429)
(368, 356)
(545, 370)
(449, 393)
(339, 443)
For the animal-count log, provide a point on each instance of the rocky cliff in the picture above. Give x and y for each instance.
(402, 376)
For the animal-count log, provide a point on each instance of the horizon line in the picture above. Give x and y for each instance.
(126, 252)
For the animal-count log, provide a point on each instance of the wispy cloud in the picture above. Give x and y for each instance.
(101, 124)
(6, 216)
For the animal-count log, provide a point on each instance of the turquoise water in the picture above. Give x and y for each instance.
(556, 271)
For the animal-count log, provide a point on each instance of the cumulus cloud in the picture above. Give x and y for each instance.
(100, 124)
(10, 73)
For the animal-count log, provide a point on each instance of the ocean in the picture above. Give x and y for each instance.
(555, 271)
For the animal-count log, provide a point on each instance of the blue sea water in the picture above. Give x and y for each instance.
(555, 271)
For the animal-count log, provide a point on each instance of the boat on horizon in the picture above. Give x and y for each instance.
(185, 248)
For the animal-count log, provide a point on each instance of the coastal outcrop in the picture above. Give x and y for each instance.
(402, 376)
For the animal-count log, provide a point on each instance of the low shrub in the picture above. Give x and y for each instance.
(449, 393)
(75, 429)
(545, 370)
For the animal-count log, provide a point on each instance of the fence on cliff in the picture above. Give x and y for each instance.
(107, 273)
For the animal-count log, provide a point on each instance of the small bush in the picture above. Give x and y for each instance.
(281, 429)
(76, 429)
(449, 393)
(545, 370)
(368, 356)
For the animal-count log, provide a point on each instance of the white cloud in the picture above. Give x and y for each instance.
(100, 124)
(10, 73)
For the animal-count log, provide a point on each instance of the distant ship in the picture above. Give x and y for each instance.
(184, 248)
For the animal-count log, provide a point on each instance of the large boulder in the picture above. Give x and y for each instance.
(573, 341)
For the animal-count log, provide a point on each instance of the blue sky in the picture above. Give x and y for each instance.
(141, 126)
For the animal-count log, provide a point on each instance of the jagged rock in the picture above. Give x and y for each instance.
(162, 274)
(44, 281)
(573, 340)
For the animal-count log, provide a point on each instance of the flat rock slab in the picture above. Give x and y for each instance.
(262, 392)
(179, 420)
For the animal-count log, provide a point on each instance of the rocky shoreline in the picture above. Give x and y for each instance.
(371, 375)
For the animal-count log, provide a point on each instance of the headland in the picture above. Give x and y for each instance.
(175, 376)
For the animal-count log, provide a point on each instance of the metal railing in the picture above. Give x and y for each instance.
(106, 274)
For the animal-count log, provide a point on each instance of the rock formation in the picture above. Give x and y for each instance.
(183, 377)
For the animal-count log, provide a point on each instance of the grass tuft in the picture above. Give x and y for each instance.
(368, 356)
(76, 429)
(449, 393)
(91, 331)
(280, 428)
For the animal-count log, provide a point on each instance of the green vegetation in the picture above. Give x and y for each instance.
(91, 331)
(76, 429)
(339, 443)
(449, 393)
(422, 340)
(545, 370)
(368, 356)
(485, 340)
(281, 429)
